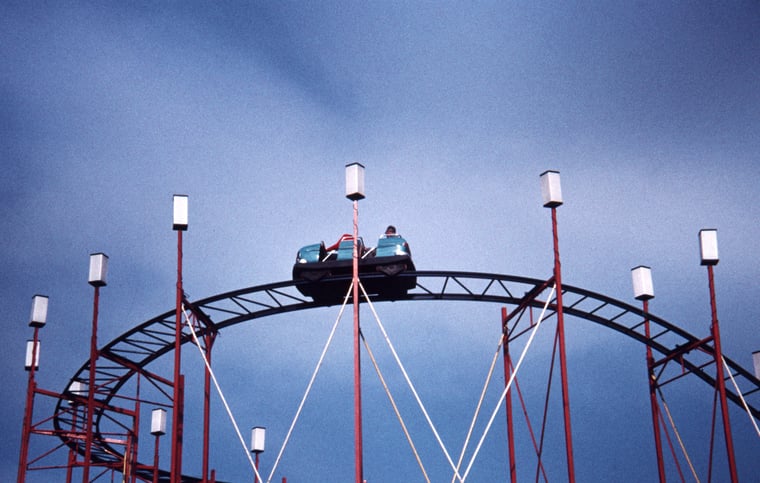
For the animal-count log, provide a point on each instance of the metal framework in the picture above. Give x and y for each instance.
(129, 355)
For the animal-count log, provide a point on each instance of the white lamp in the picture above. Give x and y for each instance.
(551, 190)
(642, 283)
(29, 352)
(39, 311)
(180, 213)
(354, 181)
(708, 246)
(258, 437)
(158, 422)
(98, 269)
(76, 388)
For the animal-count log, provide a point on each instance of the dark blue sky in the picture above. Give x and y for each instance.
(650, 111)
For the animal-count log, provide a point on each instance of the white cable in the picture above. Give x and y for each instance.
(741, 396)
(678, 435)
(409, 382)
(479, 405)
(509, 384)
(311, 383)
(395, 409)
(221, 395)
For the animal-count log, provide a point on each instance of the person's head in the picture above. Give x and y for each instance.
(391, 230)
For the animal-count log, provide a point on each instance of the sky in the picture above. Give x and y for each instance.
(649, 110)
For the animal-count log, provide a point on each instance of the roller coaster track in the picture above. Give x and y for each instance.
(131, 353)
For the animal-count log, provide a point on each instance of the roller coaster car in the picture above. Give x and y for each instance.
(317, 264)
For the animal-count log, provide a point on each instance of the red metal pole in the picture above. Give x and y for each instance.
(136, 432)
(256, 476)
(562, 356)
(176, 463)
(209, 340)
(720, 377)
(508, 400)
(358, 453)
(653, 398)
(91, 387)
(72, 454)
(155, 461)
(27, 424)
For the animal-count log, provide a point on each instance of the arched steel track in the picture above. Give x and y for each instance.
(130, 353)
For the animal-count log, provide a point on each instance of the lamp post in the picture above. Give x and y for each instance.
(643, 290)
(97, 278)
(258, 439)
(708, 246)
(37, 319)
(551, 192)
(355, 192)
(157, 429)
(179, 225)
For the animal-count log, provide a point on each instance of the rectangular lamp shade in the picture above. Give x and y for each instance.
(551, 190)
(98, 269)
(708, 246)
(180, 213)
(258, 436)
(158, 422)
(29, 352)
(756, 363)
(642, 283)
(76, 388)
(39, 311)
(354, 181)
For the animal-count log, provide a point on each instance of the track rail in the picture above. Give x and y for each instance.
(130, 354)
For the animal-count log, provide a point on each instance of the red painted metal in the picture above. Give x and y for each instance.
(135, 433)
(155, 460)
(508, 400)
(358, 452)
(91, 387)
(27, 424)
(562, 356)
(720, 377)
(72, 454)
(114, 352)
(209, 341)
(256, 475)
(653, 398)
(176, 455)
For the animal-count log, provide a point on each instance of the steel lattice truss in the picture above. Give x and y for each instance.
(130, 354)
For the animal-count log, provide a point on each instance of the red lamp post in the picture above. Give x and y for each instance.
(37, 319)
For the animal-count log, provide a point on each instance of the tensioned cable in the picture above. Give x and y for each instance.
(395, 408)
(221, 394)
(678, 436)
(480, 401)
(409, 382)
(509, 384)
(741, 396)
(311, 383)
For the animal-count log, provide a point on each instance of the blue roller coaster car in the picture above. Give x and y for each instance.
(317, 264)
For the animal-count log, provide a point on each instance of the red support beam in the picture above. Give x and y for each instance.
(562, 352)
(653, 398)
(91, 388)
(720, 377)
(209, 341)
(176, 454)
(28, 409)
(358, 452)
(508, 400)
